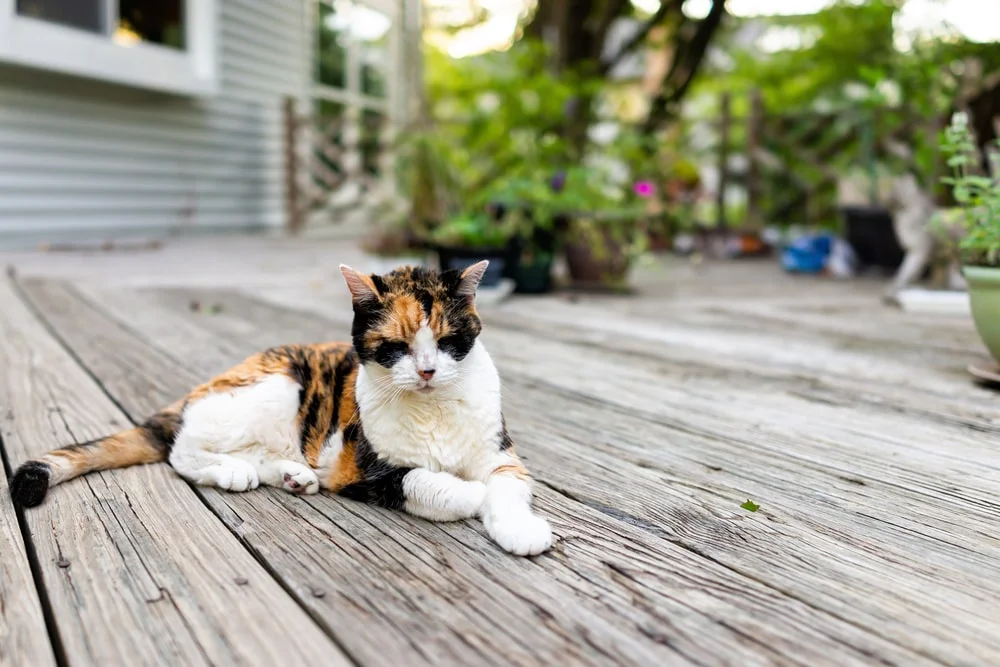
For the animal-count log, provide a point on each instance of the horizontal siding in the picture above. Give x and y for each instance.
(86, 160)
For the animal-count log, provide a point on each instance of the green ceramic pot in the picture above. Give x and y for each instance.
(984, 296)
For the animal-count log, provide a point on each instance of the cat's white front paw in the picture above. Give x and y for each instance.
(440, 496)
(469, 501)
(234, 475)
(520, 533)
(298, 479)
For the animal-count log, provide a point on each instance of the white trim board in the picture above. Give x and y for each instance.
(43, 45)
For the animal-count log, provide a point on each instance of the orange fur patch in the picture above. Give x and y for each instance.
(346, 470)
(513, 469)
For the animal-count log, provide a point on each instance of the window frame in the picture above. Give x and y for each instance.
(40, 44)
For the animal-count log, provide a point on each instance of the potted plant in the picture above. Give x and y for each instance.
(466, 238)
(528, 204)
(606, 229)
(978, 197)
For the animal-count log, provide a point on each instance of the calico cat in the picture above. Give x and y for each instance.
(407, 417)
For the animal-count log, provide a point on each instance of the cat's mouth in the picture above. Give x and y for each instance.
(426, 389)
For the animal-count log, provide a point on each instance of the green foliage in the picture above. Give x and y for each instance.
(836, 42)
(471, 230)
(331, 51)
(978, 196)
(497, 133)
(847, 86)
(491, 116)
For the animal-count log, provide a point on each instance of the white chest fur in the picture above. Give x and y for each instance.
(454, 429)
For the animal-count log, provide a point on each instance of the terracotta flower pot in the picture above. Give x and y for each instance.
(599, 263)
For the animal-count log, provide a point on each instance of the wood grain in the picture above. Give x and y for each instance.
(849, 507)
(137, 569)
(793, 628)
(24, 639)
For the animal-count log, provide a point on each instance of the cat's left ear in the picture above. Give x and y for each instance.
(363, 290)
(468, 280)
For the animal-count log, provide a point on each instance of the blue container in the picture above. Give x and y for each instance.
(807, 254)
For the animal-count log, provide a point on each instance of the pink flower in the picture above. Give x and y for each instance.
(643, 189)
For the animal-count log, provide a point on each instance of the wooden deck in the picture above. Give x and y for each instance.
(647, 420)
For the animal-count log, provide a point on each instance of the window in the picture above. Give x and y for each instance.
(125, 21)
(159, 44)
(354, 49)
(153, 21)
(83, 14)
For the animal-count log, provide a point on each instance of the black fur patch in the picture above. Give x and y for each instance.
(162, 429)
(505, 440)
(302, 372)
(457, 345)
(352, 433)
(383, 482)
(379, 284)
(426, 301)
(310, 422)
(365, 317)
(344, 369)
(388, 353)
(30, 484)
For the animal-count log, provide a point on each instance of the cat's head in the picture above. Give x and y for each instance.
(414, 327)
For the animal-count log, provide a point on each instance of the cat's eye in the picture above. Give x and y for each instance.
(455, 345)
(391, 351)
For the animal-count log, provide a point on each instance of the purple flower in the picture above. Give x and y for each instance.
(558, 181)
(643, 189)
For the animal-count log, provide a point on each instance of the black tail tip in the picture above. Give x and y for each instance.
(30, 484)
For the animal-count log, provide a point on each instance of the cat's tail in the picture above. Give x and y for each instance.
(148, 443)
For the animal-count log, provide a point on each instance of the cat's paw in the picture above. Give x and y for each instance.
(521, 533)
(298, 479)
(234, 475)
(441, 496)
(467, 502)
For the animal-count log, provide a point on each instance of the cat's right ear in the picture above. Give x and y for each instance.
(363, 290)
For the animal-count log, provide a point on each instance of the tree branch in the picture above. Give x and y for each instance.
(685, 66)
(640, 36)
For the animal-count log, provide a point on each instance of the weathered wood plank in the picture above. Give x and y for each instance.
(852, 535)
(137, 569)
(24, 639)
(844, 635)
(738, 343)
(390, 598)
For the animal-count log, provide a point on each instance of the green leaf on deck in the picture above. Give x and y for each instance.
(750, 506)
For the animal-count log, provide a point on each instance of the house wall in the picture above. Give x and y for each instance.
(81, 159)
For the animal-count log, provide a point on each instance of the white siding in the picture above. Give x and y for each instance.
(80, 159)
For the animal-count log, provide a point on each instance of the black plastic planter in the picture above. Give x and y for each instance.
(502, 261)
(870, 232)
(534, 277)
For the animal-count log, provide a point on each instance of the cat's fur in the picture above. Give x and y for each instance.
(407, 417)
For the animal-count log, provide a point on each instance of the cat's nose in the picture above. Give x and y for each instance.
(427, 373)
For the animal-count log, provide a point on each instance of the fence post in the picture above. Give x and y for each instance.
(720, 195)
(754, 129)
(293, 197)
